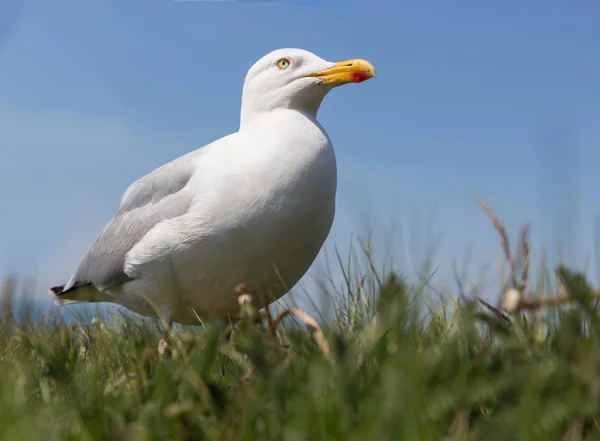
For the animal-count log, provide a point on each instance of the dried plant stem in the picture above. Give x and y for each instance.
(309, 322)
(539, 300)
(562, 289)
(526, 257)
(499, 226)
(534, 302)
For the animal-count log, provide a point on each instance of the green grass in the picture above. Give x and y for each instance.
(392, 365)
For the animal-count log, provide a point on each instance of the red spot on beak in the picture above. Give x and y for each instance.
(359, 76)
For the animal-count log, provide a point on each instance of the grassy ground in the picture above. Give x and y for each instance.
(388, 367)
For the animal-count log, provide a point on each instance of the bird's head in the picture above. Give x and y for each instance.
(297, 79)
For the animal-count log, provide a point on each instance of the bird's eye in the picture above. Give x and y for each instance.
(283, 63)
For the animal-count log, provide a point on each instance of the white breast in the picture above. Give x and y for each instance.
(264, 205)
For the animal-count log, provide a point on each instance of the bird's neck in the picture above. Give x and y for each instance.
(262, 118)
(306, 104)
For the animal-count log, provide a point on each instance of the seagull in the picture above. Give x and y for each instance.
(252, 208)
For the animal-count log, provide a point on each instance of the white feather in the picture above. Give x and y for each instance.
(255, 207)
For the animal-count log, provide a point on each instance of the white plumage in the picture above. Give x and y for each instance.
(253, 207)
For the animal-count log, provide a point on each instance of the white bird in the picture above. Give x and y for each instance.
(253, 207)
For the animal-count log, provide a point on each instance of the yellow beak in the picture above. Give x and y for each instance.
(349, 71)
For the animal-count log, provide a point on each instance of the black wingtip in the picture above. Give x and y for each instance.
(60, 290)
(57, 290)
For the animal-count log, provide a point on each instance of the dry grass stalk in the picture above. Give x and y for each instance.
(534, 302)
(310, 323)
(512, 298)
(359, 289)
(460, 424)
(499, 226)
(562, 289)
(574, 431)
(526, 257)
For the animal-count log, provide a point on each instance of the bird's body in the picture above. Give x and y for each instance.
(253, 207)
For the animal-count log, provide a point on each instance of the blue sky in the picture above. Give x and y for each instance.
(471, 101)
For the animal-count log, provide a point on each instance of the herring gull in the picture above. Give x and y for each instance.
(253, 207)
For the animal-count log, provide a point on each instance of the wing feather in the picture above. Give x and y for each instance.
(156, 197)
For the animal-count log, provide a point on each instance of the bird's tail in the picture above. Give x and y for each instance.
(77, 294)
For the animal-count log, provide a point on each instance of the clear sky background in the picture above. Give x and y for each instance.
(491, 100)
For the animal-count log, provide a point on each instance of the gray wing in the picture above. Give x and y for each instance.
(156, 197)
